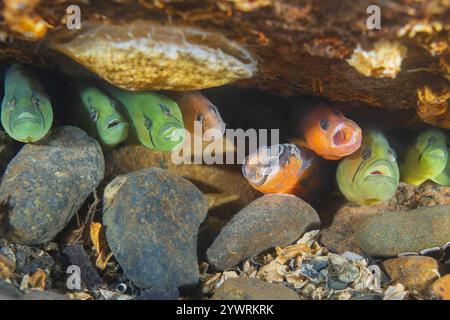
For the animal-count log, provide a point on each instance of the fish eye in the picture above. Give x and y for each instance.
(392, 155)
(164, 109)
(431, 140)
(93, 114)
(12, 102)
(337, 112)
(324, 124)
(35, 101)
(148, 123)
(366, 154)
(199, 118)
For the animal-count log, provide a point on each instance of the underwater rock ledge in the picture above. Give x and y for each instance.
(297, 52)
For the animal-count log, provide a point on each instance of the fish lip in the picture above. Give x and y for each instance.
(352, 143)
(120, 124)
(387, 174)
(440, 157)
(36, 113)
(109, 141)
(264, 171)
(168, 131)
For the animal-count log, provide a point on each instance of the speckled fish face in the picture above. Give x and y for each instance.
(115, 130)
(210, 119)
(434, 153)
(196, 108)
(370, 175)
(282, 168)
(163, 125)
(330, 134)
(27, 118)
(111, 127)
(425, 158)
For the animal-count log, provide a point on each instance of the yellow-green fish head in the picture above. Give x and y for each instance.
(370, 175)
(426, 158)
(163, 122)
(28, 117)
(111, 127)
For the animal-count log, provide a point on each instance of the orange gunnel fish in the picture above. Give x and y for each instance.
(328, 133)
(195, 107)
(284, 168)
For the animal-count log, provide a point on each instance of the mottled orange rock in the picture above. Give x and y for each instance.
(414, 272)
(441, 288)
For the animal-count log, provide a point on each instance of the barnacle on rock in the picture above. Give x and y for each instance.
(432, 103)
(250, 5)
(420, 26)
(433, 106)
(145, 55)
(383, 61)
(444, 62)
(20, 17)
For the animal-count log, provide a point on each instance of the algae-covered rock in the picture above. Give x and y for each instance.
(152, 218)
(269, 221)
(339, 233)
(253, 289)
(46, 183)
(391, 233)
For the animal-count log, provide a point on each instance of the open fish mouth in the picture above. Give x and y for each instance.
(171, 132)
(115, 123)
(346, 134)
(438, 154)
(258, 166)
(381, 170)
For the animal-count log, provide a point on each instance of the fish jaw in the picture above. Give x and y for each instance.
(26, 124)
(115, 135)
(344, 138)
(170, 136)
(262, 164)
(379, 183)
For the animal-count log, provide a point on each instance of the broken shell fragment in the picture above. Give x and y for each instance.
(145, 55)
(20, 17)
(444, 62)
(383, 61)
(433, 106)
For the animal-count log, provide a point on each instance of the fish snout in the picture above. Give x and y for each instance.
(261, 164)
(439, 154)
(346, 134)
